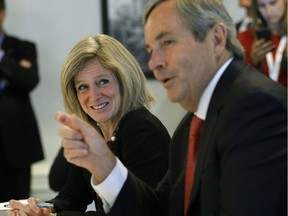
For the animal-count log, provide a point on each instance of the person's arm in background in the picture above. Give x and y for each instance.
(255, 50)
(20, 70)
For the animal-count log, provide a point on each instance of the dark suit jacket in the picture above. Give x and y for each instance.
(59, 171)
(19, 135)
(142, 144)
(242, 165)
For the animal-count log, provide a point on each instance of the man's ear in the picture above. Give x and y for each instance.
(219, 37)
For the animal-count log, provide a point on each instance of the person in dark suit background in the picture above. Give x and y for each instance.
(20, 142)
(242, 161)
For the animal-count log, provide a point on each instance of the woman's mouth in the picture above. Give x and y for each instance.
(101, 106)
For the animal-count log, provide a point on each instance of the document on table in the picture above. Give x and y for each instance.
(3, 205)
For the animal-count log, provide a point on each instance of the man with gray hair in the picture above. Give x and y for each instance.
(241, 160)
(238, 165)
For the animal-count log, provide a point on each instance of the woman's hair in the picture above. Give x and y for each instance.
(200, 16)
(260, 22)
(113, 56)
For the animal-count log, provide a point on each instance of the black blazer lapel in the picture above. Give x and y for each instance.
(217, 100)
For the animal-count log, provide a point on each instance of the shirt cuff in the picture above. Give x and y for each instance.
(109, 189)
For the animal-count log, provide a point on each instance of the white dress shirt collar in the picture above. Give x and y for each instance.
(207, 94)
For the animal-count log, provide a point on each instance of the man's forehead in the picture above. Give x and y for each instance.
(163, 6)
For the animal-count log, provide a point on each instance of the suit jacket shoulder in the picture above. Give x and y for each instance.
(246, 121)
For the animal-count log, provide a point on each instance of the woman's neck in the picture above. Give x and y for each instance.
(108, 130)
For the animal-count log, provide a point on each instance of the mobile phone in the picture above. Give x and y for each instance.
(263, 33)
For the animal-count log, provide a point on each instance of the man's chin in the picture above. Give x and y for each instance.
(172, 97)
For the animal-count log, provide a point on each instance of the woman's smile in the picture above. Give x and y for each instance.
(101, 106)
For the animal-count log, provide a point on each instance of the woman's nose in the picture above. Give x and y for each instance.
(96, 92)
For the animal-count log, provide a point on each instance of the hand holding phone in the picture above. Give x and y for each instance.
(263, 33)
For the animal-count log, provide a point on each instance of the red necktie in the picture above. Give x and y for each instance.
(192, 154)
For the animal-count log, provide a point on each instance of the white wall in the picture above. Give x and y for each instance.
(233, 8)
(55, 26)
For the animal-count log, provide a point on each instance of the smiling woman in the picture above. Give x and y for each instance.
(104, 56)
(98, 92)
(103, 84)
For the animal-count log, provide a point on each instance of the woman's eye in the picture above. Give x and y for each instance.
(103, 82)
(81, 87)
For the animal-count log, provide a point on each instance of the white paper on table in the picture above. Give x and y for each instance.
(3, 204)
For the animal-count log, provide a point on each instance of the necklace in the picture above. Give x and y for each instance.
(113, 137)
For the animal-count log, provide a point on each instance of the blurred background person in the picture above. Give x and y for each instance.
(20, 143)
(246, 21)
(266, 43)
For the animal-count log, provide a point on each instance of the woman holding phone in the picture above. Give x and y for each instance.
(266, 43)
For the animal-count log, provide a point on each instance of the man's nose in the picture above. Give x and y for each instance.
(156, 61)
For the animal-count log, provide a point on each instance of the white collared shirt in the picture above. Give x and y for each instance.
(207, 94)
(119, 174)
